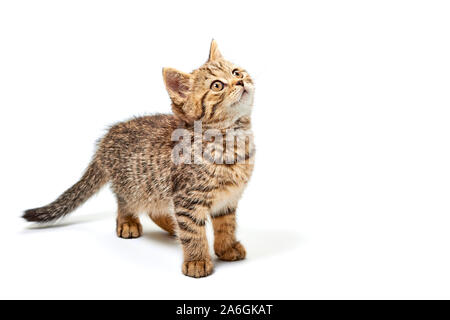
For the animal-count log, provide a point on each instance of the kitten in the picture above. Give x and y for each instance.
(179, 190)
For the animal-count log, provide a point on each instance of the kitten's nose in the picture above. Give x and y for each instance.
(240, 83)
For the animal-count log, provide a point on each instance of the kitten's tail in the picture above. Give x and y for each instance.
(93, 179)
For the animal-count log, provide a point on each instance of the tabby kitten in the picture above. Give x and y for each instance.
(178, 192)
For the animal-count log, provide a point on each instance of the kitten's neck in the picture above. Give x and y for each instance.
(243, 123)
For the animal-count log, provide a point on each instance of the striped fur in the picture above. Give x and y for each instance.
(136, 158)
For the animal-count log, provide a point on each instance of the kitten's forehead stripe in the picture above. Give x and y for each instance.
(210, 71)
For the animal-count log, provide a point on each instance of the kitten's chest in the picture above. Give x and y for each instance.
(231, 175)
(227, 197)
(230, 183)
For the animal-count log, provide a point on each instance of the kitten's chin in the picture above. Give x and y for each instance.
(243, 107)
(247, 94)
(243, 104)
(246, 97)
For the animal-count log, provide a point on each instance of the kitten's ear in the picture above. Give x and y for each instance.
(214, 53)
(178, 84)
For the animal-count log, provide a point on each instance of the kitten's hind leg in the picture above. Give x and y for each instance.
(165, 222)
(128, 224)
(161, 212)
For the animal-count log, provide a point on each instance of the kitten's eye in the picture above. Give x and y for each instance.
(217, 85)
(237, 73)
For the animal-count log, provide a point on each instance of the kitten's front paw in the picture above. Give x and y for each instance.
(129, 229)
(233, 253)
(197, 269)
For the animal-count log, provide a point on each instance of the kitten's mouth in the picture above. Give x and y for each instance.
(244, 92)
(240, 98)
(243, 95)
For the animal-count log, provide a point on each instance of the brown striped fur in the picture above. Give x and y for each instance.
(136, 158)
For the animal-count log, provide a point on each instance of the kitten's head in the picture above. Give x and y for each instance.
(217, 92)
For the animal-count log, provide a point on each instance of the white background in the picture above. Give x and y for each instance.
(350, 193)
